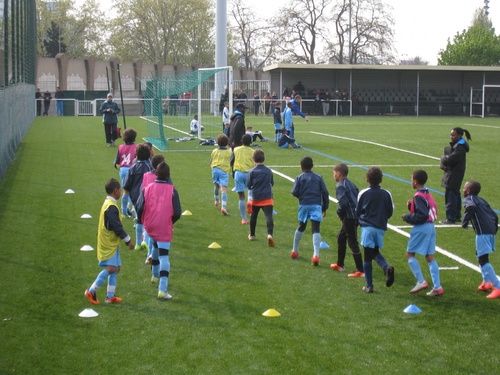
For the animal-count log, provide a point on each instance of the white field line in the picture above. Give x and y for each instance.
(355, 165)
(403, 233)
(483, 126)
(377, 144)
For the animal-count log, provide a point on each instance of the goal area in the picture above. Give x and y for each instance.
(485, 101)
(172, 101)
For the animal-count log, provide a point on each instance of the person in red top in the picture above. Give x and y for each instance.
(159, 208)
(125, 156)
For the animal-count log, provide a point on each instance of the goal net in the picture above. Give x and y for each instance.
(173, 100)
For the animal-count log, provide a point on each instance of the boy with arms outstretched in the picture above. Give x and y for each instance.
(109, 234)
(159, 207)
(311, 191)
(423, 213)
(485, 223)
(374, 208)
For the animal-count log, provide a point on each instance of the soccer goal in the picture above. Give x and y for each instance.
(173, 100)
(485, 101)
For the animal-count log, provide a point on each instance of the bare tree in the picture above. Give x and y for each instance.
(250, 40)
(301, 29)
(363, 33)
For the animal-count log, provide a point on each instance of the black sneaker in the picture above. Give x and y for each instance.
(389, 276)
(367, 289)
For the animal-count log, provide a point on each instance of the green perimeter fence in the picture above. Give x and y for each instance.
(17, 75)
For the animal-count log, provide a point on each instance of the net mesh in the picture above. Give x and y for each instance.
(17, 75)
(172, 101)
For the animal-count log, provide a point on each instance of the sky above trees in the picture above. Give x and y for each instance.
(421, 28)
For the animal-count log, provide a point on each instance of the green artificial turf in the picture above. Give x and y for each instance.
(214, 323)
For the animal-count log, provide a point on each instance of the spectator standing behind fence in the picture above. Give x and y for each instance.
(172, 104)
(109, 110)
(325, 102)
(47, 97)
(274, 100)
(267, 103)
(453, 164)
(38, 99)
(59, 95)
(256, 103)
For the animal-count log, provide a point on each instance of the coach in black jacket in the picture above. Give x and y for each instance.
(237, 126)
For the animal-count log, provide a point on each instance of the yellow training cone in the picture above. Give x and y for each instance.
(214, 245)
(271, 313)
(187, 213)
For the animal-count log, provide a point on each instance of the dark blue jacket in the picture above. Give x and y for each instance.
(478, 211)
(310, 188)
(109, 117)
(374, 208)
(347, 195)
(260, 180)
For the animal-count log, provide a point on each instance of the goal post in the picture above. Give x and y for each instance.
(173, 100)
(481, 100)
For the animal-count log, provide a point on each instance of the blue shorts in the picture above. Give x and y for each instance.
(311, 212)
(485, 244)
(277, 126)
(114, 261)
(123, 174)
(240, 180)
(220, 177)
(372, 237)
(422, 239)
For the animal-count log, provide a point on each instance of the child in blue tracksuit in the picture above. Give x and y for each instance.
(374, 208)
(277, 122)
(347, 196)
(310, 189)
(485, 223)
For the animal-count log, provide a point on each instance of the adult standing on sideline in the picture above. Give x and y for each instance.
(109, 110)
(47, 97)
(38, 99)
(59, 103)
(296, 110)
(267, 103)
(237, 128)
(453, 164)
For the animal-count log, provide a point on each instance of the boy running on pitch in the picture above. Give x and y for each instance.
(311, 191)
(423, 213)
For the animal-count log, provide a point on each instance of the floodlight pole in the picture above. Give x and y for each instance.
(220, 45)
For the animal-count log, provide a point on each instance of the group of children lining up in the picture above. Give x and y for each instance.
(146, 178)
(370, 208)
(149, 190)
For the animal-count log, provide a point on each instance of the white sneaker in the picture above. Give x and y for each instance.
(419, 287)
(164, 296)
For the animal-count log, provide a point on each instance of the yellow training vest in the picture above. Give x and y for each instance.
(107, 240)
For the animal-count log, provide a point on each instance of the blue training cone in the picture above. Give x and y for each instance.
(323, 245)
(412, 309)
